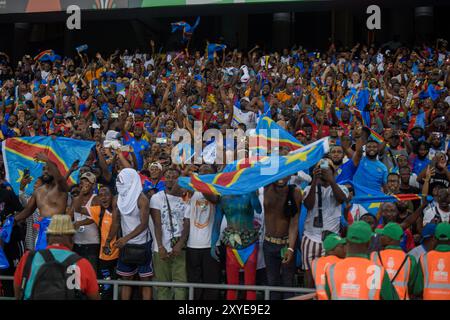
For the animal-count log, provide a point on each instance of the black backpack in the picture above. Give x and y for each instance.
(51, 280)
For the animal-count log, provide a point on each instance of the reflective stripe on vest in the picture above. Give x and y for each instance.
(426, 273)
(365, 290)
(318, 269)
(333, 283)
(401, 285)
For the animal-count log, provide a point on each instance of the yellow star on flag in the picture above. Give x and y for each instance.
(21, 176)
(302, 156)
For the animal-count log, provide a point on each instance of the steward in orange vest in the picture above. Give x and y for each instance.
(334, 252)
(433, 276)
(400, 267)
(356, 277)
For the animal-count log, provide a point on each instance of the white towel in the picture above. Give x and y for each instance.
(129, 187)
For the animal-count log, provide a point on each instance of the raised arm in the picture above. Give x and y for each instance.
(310, 199)
(357, 155)
(107, 176)
(28, 210)
(54, 171)
(413, 218)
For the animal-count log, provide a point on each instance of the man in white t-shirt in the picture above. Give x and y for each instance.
(441, 212)
(171, 229)
(201, 267)
(244, 115)
(322, 199)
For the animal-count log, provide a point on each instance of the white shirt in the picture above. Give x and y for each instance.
(200, 213)
(417, 252)
(44, 75)
(129, 223)
(300, 178)
(285, 60)
(86, 234)
(357, 211)
(413, 181)
(429, 213)
(248, 118)
(177, 208)
(331, 213)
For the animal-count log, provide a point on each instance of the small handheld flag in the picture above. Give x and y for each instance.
(47, 55)
(214, 47)
(188, 30)
(82, 48)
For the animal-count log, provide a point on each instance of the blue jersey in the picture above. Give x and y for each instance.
(159, 186)
(419, 165)
(346, 171)
(138, 146)
(371, 173)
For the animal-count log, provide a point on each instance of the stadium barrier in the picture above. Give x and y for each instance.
(191, 286)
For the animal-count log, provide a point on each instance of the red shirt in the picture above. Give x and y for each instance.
(88, 277)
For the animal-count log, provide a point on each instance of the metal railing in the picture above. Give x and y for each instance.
(190, 286)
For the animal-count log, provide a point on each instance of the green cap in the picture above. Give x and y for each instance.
(332, 241)
(442, 231)
(391, 230)
(359, 232)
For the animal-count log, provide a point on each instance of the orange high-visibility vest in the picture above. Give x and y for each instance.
(355, 278)
(319, 267)
(436, 272)
(391, 260)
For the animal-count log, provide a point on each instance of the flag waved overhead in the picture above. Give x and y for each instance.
(19, 153)
(269, 134)
(257, 174)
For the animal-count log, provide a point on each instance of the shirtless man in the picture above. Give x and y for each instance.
(51, 197)
(281, 213)
(240, 235)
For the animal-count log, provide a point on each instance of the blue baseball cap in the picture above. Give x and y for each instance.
(428, 231)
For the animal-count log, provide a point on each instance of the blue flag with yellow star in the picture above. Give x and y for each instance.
(259, 174)
(268, 135)
(19, 153)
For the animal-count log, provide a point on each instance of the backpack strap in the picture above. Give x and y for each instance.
(400, 268)
(437, 216)
(26, 273)
(379, 256)
(47, 255)
(70, 260)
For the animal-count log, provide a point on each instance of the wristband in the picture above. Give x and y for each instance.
(291, 250)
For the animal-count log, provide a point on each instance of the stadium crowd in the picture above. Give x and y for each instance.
(384, 109)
